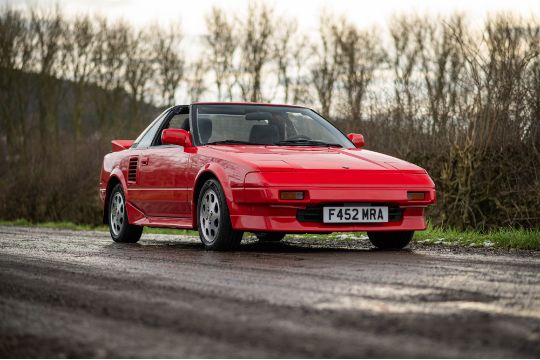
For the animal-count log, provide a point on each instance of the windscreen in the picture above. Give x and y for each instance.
(264, 125)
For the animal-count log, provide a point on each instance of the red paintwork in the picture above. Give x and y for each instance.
(163, 194)
(176, 137)
(119, 145)
(356, 139)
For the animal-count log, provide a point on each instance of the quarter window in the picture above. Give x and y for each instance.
(148, 137)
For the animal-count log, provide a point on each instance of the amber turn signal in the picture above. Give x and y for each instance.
(416, 195)
(291, 195)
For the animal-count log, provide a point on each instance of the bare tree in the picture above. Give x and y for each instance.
(324, 70)
(139, 69)
(532, 79)
(15, 52)
(221, 43)
(442, 66)
(197, 81)
(403, 60)
(299, 72)
(256, 50)
(47, 27)
(284, 51)
(78, 47)
(110, 58)
(358, 56)
(169, 61)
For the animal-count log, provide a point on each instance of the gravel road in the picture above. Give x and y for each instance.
(78, 294)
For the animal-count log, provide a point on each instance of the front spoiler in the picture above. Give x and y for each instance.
(290, 224)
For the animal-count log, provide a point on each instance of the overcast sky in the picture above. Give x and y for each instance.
(364, 13)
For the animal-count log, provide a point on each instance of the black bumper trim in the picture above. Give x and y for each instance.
(314, 213)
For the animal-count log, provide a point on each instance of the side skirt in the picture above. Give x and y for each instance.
(137, 217)
(175, 223)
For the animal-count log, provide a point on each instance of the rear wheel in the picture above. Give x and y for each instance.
(390, 240)
(270, 236)
(121, 231)
(213, 220)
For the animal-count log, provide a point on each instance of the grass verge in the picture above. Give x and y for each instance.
(502, 238)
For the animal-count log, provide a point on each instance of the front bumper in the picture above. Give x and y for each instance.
(260, 209)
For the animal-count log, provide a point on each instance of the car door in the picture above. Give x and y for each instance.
(162, 174)
(137, 195)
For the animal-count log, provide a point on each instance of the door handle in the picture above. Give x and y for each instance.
(144, 161)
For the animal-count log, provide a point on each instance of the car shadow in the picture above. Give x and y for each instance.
(306, 247)
(250, 247)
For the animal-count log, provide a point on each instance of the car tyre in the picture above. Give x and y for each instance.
(270, 236)
(390, 240)
(213, 219)
(121, 230)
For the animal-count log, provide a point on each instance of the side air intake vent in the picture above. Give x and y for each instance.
(132, 170)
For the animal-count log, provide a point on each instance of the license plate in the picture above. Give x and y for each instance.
(355, 214)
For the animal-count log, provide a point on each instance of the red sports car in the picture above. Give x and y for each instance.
(227, 168)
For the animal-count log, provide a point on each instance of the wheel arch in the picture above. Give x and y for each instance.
(210, 172)
(114, 179)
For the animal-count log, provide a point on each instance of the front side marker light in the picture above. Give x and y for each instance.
(411, 195)
(291, 195)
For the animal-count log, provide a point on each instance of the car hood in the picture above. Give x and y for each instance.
(297, 158)
(317, 166)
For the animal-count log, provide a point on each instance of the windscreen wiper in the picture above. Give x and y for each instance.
(305, 142)
(232, 142)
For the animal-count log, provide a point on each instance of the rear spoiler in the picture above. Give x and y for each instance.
(119, 145)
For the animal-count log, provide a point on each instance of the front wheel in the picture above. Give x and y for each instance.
(121, 230)
(214, 222)
(390, 240)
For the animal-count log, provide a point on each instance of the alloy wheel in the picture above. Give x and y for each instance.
(117, 213)
(209, 217)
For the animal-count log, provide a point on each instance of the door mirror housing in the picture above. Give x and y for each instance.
(356, 139)
(178, 137)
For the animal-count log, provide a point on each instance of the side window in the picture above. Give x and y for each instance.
(149, 136)
(179, 122)
(149, 128)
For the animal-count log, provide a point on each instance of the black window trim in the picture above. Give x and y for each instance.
(163, 119)
(176, 110)
(156, 121)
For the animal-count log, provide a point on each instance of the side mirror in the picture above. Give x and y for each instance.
(357, 139)
(176, 137)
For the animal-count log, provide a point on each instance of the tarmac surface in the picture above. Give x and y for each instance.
(77, 294)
